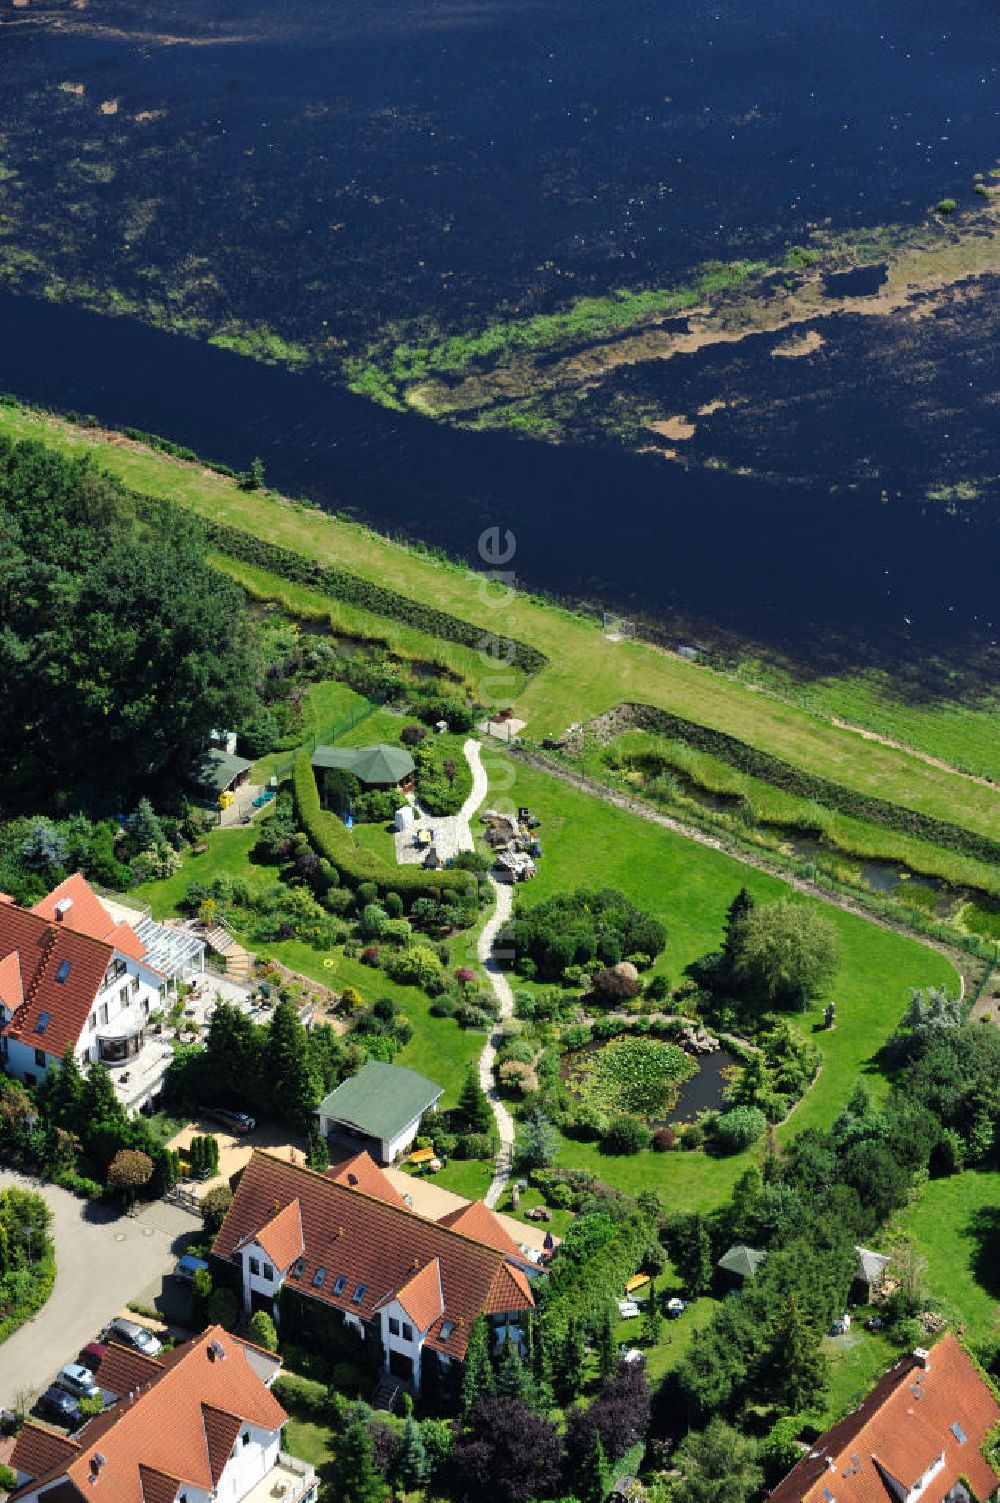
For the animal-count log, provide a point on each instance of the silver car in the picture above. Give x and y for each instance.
(77, 1380)
(130, 1333)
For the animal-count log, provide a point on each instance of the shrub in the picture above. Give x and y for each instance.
(693, 1135)
(737, 1129)
(626, 1135)
(473, 1145)
(222, 1308)
(946, 206)
(664, 1139)
(369, 955)
(262, 1330)
(518, 1078)
(416, 966)
(465, 975)
(411, 735)
(617, 982)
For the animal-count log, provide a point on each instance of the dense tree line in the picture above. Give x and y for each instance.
(121, 649)
(279, 1068)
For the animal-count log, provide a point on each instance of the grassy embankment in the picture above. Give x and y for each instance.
(769, 806)
(586, 674)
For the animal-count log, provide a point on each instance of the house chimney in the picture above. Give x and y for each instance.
(922, 1357)
(62, 908)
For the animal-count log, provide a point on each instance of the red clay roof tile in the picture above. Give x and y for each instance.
(47, 951)
(362, 1173)
(172, 1428)
(477, 1221)
(281, 1238)
(899, 1431)
(373, 1245)
(422, 1298)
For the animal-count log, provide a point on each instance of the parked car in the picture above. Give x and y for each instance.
(78, 1380)
(56, 1404)
(93, 1355)
(130, 1333)
(185, 1268)
(239, 1122)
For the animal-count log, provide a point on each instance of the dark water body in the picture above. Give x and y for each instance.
(865, 281)
(751, 557)
(334, 171)
(706, 1090)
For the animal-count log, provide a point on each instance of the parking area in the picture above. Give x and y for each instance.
(235, 1149)
(102, 1261)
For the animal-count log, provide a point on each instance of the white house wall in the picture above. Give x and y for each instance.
(390, 1343)
(260, 1282)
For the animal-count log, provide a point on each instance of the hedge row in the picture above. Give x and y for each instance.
(781, 774)
(354, 590)
(330, 838)
(43, 1277)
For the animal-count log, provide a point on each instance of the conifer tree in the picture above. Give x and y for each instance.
(473, 1104)
(607, 1355)
(356, 1478)
(652, 1317)
(288, 1068)
(477, 1377)
(739, 909)
(412, 1462)
(567, 1362)
(62, 1101)
(593, 1477)
(513, 1378)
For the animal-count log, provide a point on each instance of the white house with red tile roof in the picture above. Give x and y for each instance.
(74, 976)
(200, 1424)
(918, 1435)
(419, 1285)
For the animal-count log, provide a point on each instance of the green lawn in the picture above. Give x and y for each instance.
(689, 887)
(468, 1177)
(856, 1361)
(586, 673)
(677, 1334)
(310, 1441)
(228, 854)
(956, 1226)
(323, 705)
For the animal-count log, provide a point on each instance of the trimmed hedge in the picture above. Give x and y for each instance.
(330, 838)
(354, 590)
(808, 785)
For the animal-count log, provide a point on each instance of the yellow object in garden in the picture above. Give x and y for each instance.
(225, 799)
(421, 1155)
(636, 1282)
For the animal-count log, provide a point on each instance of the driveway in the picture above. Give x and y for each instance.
(102, 1261)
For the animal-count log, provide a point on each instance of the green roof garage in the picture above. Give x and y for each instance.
(379, 1109)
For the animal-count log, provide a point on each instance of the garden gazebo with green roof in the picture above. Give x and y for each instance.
(380, 766)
